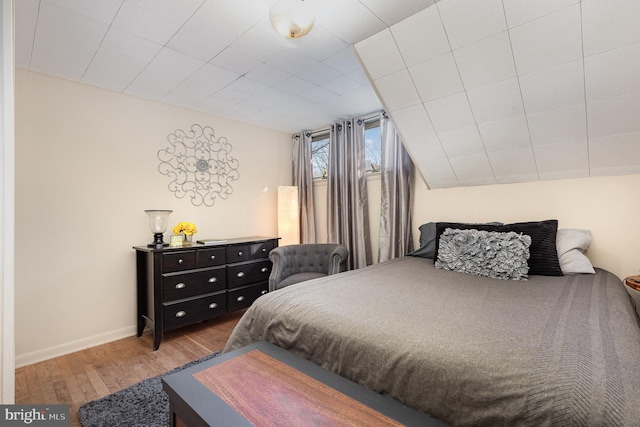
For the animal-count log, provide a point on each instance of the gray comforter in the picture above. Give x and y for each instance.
(465, 349)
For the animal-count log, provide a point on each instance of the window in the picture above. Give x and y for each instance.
(320, 150)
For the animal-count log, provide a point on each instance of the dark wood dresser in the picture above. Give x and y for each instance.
(181, 286)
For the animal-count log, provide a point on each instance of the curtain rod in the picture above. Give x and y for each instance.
(369, 117)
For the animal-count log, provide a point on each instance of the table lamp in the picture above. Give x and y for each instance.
(158, 220)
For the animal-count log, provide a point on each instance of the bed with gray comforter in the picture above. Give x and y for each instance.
(467, 350)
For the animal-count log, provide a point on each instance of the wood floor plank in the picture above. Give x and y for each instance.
(90, 374)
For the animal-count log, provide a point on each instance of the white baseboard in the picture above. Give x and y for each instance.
(73, 346)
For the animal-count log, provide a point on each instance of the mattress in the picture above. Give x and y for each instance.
(465, 349)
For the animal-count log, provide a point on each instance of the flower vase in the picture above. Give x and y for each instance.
(186, 239)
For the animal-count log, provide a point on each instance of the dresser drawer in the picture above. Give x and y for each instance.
(187, 312)
(210, 257)
(196, 282)
(177, 261)
(262, 249)
(238, 253)
(248, 273)
(243, 297)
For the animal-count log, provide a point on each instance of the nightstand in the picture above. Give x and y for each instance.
(633, 287)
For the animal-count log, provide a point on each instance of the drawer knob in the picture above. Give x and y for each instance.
(213, 280)
(264, 269)
(180, 261)
(213, 257)
(181, 314)
(180, 286)
(264, 291)
(264, 249)
(213, 305)
(241, 274)
(239, 253)
(240, 298)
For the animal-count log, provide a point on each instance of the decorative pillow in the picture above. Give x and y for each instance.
(428, 240)
(572, 245)
(485, 253)
(544, 256)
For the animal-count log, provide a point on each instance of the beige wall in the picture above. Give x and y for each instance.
(608, 206)
(86, 169)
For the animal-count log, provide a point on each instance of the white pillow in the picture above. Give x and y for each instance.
(571, 245)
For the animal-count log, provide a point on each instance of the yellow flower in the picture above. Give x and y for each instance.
(187, 228)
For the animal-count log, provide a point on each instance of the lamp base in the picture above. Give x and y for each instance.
(158, 242)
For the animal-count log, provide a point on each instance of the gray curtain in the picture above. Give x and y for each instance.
(303, 178)
(396, 238)
(347, 200)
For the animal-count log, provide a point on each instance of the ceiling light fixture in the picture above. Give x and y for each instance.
(292, 18)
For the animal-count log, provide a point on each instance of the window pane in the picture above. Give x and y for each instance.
(320, 150)
(320, 156)
(372, 150)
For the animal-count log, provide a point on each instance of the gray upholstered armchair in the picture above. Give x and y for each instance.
(297, 263)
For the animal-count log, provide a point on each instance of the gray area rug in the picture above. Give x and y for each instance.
(142, 404)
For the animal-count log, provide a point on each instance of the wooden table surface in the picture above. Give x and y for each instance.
(264, 385)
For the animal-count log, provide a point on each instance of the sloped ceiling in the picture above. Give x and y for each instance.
(482, 91)
(496, 91)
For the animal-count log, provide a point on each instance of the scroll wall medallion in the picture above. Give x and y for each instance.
(199, 165)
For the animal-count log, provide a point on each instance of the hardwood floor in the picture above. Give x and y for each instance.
(86, 375)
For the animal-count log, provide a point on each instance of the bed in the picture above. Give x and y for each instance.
(469, 350)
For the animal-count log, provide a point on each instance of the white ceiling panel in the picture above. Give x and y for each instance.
(614, 116)
(397, 90)
(467, 21)
(562, 161)
(482, 91)
(411, 33)
(514, 165)
(553, 87)
(204, 82)
(488, 61)
(616, 154)
(613, 73)
(609, 24)
(391, 12)
(473, 170)
(559, 125)
(461, 142)
(112, 69)
(496, 101)
(65, 43)
(437, 172)
(27, 16)
(507, 134)
(146, 24)
(436, 77)
(380, 45)
(450, 112)
(99, 10)
(521, 11)
(548, 41)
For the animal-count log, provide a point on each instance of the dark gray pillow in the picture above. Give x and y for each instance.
(428, 234)
(427, 241)
(485, 253)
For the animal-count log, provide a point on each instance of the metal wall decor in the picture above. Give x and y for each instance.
(199, 164)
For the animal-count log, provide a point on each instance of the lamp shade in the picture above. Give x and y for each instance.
(292, 18)
(158, 220)
(288, 215)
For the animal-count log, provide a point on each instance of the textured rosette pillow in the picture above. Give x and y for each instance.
(485, 253)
